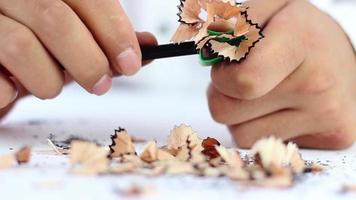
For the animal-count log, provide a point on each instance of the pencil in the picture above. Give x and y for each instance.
(168, 50)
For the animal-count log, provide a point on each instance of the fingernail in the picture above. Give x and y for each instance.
(103, 85)
(128, 61)
(15, 96)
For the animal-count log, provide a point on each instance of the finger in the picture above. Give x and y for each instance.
(268, 64)
(283, 124)
(327, 140)
(229, 111)
(66, 37)
(261, 11)
(20, 92)
(8, 91)
(26, 59)
(113, 31)
(146, 39)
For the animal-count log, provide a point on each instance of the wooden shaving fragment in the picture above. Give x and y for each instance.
(149, 153)
(209, 147)
(271, 163)
(6, 161)
(152, 153)
(349, 188)
(123, 168)
(22, 156)
(121, 144)
(179, 136)
(59, 151)
(270, 152)
(294, 158)
(88, 158)
(274, 155)
(135, 191)
(230, 156)
(179, 167)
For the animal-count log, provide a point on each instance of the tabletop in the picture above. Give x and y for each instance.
(148, 106)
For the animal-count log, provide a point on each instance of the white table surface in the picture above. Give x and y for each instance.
(148, 105)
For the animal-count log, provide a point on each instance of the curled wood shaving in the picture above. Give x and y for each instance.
(294, 158)
(191, 151)
(209, 147)
(274, 165)
(179, 136)
(270, 152)
(230, 156)
(223, 16)
(121, 144)
(152, 153)
(88, 158)
(275, 155)
(149, 153)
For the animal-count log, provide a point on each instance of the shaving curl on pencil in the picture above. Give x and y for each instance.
(225, 34)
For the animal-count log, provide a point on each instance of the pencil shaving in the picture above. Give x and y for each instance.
(88, 158)
(121, 144)
(274, 163)
(20, 157)
(234, 34)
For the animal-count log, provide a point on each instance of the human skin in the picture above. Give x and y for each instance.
(298, 83)
(42, 41)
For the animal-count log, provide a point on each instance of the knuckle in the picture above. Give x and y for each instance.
(51, 14)
(247, 86)
(316, 83)
(241, 82)
(241, 137)
(7, 95)
(330, 110)
(214, 103)
(337, 120)
(339, 139)
(49, 91)
(90, 76)
(18, 42)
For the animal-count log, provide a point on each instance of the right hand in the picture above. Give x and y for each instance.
(90, 39)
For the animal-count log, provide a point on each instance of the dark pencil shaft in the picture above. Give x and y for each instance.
(168, 50)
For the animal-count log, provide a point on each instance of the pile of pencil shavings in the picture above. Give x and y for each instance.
(270, 163)
(227, 33)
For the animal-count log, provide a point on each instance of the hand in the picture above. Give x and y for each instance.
(90, 39)
(298, 83)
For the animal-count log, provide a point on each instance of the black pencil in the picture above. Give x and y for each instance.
(168, 50)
